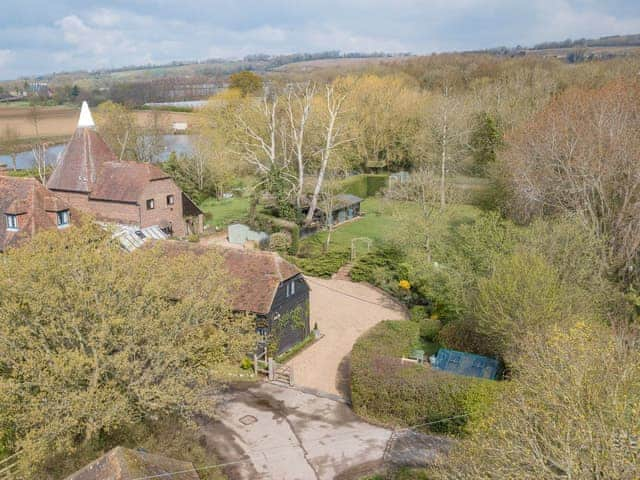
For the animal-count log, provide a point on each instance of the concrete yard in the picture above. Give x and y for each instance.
(267, 431)
(343, 310)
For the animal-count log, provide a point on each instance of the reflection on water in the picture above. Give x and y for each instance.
(172, 143)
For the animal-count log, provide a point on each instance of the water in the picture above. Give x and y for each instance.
(180, 144)
(185, 104)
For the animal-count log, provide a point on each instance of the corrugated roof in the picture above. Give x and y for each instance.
(126, 464)
(468, 364)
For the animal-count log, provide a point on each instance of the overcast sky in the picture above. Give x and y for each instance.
(42, 36)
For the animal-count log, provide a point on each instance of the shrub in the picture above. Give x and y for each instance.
(386, 391)
(418, 313)
(429, 328)
(280, 242)
(321, 266)
(193, 238)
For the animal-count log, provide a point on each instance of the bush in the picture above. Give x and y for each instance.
(429, 328)
(418, 313)
(280, 242)
(384, 390)
(382, 267)
(321, 266)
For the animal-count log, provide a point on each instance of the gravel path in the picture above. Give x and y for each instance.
(343, 310)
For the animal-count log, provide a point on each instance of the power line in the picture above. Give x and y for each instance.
(246, 458)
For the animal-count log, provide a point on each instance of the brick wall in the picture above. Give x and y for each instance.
(163, 213)
(127, 213)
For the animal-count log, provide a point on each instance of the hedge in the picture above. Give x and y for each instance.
(387, 392)
(324, 265)
(365, 185)
(270, 224)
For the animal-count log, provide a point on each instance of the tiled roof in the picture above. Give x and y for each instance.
(125, 464)
(124, 181)
(80, 162)
(27, 198)
(258, 273)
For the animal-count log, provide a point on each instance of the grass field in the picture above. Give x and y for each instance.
(221, 213)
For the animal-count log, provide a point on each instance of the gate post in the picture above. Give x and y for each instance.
(271, 369)
(255, 364)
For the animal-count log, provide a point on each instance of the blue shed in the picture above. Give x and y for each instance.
(468, 364)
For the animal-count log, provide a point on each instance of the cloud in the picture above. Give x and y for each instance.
(89, 34)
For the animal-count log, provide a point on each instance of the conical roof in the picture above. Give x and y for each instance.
(82, 158)
(86, 119)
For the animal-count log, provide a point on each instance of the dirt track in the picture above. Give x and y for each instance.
(344, 310)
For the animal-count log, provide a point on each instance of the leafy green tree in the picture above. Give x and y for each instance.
(75, 91)
(485, 141)
(570, 411)
(247, 82)
(94, 340)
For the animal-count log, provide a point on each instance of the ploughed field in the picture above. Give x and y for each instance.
(62, 121)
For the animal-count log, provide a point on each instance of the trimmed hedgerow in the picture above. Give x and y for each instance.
(321, 266)
(387, 392)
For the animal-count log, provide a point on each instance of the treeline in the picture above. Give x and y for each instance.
(609, 41)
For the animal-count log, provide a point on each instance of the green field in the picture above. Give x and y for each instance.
(220, 213)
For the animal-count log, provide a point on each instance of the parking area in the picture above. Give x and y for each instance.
(343, 310)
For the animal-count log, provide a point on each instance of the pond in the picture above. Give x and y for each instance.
(181, 144)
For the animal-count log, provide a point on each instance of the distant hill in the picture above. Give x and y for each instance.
(576, 50)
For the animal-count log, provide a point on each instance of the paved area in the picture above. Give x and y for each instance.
(343, 310)
(268, 431)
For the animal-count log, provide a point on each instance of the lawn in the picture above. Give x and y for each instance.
(220, 213)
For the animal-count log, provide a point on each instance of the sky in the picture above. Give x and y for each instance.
(44, 36)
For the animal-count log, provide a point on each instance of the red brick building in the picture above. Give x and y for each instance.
(90, 178)
(28, 208)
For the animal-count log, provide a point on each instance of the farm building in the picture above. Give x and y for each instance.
(28, 208)
(124, 464)
(269, 287)
(90, 177)
(341, 208)
(468, 364)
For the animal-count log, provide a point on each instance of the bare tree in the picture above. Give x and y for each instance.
(299, 102)
(39, 151)
(259, 148)
(10, 144)
(332, 132)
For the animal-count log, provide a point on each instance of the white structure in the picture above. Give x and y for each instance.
(85, 120)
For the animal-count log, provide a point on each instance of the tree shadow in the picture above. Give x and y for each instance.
(343, 378)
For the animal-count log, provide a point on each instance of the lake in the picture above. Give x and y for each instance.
(181, 144)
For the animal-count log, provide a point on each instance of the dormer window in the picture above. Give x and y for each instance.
(63, 218)
(291, 288)
(171, 200)
(12, 222)
(151, 204)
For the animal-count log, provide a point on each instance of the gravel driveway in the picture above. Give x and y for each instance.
(343, 310)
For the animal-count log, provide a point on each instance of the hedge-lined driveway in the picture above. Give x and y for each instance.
(343, 310)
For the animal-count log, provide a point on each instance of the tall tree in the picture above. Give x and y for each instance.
(10, 144)
(94, 340)
(247, 82)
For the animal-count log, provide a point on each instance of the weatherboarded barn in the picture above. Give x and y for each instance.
(267, 286)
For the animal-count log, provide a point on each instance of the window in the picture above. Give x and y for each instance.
(63, 218)
(170, 200)
(12, 222)
(151, 204)
(291, 288)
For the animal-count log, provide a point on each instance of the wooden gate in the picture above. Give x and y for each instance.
(8, 467)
